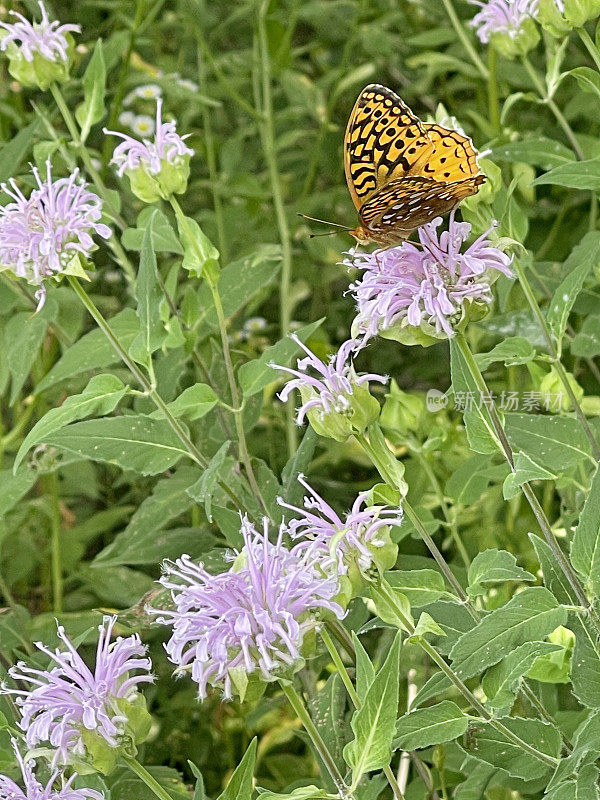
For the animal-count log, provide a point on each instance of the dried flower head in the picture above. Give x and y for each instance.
(422, 294)
(354, 545)
(42, 235)
(34, 790)
(249, 623)
(158, 168)
(337, 402)
(83, 714)
(39, 52)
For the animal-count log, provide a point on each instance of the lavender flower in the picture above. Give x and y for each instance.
(337, 403)
(158, 168)
(41, 236)
(39, 52)
(508, 24)
(34, 790)
(76, 710)
(351, 546)
(249, 623)
(407, 288)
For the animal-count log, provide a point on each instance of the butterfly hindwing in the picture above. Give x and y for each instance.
(384, 140)
(453, 156)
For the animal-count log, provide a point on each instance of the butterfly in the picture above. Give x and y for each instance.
(402, 172)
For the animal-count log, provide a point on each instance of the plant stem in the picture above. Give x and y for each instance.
(51, 482)
(466, 42)
(233, 387)
(346, 680)
(151, 782)
(267, 129)
(591, 47)
(558, 115)
(298, 705)
(537, 509)
(493, 106)
(149, 389)
(82, 151)
(560, 370)
(466, 692)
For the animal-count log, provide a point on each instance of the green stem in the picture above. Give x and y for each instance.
(466, 42)
(298, 705)
(591, 47)
(558, 115)
(493, 105)
(560, 370)
(267, 129)
(466, 692)
(149, 389)
(545, 527)
(233, 387)
(151, 782)
(96, 179)
(51, 484)
(346, 680)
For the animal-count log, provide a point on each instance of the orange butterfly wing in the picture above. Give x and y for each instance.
(401, 172)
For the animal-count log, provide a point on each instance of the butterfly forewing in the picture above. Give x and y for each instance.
(401, 172)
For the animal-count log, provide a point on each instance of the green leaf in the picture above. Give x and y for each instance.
(526, 470)
(117, 586)
(292, 490)
(425, 624)
(327, 707)
(140, 541)
(577, 175)
(583, 786)
(238, 283)
(365, 671)
(469, 482)
(13, 487)
(501, 682)
(494, 566)
(302, 793)
(554, 578)
(542, 152)
(93, 351)
(528, 616)
(202, 491)
(425, 727)
(192, 404)
(585, 664)
(136, 442)
(513, 350)
(588, 79)
(149, 296)
(199, 253)
(475, 784)
(240, 783)
(585, 546)
(101, 396)
(582, 259)
(164, 238)
(25, 332)
(13, 152)
(494, 748)
(479, 427)
(255, 375)
(419, 586)
(374, 723)
(94, 89)
(199, 791)
(555, 443)
(586, 343)
(391, 606)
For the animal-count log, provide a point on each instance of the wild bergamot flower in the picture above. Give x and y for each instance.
(421, 294)
(39, 52)
(507, 25)
(44, 235)
(156, 169)
(337, 402)
(251, 624)
(85, 717)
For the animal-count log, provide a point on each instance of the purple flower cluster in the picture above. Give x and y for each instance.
(332, 391)
(334, 542)
(502, 16)
(167, 147)
(45, 37)
(70, 698)
(40, 235)
(251, 619)
(427, 285)
(34, 790)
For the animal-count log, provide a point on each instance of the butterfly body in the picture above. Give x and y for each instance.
(401, 172)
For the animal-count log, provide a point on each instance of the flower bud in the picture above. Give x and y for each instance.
(559, 17)
(402, 412)
(551, 386)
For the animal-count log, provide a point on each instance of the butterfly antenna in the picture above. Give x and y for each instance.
(324, 222)
(315, 235)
